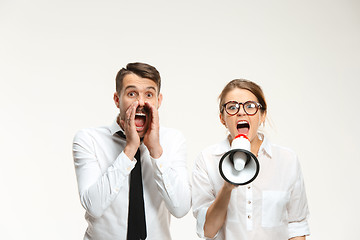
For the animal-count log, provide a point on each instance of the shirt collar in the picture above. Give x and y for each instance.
(224, 146)
(265, 146)
(114, 127)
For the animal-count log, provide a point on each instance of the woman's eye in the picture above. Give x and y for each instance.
(251, 105)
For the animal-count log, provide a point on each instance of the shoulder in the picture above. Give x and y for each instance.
(285, 156)
(214, 151)
(215, 148)
(283, 150)
(169, 133)
(90, 133)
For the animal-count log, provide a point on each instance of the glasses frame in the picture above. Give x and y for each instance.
(258, 106)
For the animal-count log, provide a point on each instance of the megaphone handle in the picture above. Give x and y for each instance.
(231, 156)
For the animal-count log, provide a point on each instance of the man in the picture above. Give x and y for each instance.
(108, 165)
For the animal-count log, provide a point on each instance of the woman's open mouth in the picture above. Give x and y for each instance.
(243, 127)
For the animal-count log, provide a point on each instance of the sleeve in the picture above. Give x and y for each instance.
(97, 190)
(298, 211)
(171, 176)
(203, 194)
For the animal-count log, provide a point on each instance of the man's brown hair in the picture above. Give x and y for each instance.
(140, 69)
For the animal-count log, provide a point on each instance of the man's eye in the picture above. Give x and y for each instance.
(131, 94)
(149, 95)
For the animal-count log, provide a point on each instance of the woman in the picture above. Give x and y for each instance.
(274, 205)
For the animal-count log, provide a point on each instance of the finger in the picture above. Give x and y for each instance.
(153, 112)
(130, 113)
(122, 123)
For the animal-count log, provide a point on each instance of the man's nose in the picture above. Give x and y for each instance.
(141, 100)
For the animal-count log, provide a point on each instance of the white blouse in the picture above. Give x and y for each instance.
(273, 206)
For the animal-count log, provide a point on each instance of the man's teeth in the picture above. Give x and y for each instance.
(140, 114)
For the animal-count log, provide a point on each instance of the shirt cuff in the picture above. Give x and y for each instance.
(200, 222)
(124, 164)
(160, 164)
(298, 229)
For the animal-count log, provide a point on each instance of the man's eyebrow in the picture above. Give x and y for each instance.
(133, 86)
(129, 86)
(151, 87)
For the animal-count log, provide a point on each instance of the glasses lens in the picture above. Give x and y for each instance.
(250, 108)
(232, 108)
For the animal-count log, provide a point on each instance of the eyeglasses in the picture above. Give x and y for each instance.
(233, 107)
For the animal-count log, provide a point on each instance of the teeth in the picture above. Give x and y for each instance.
(140, 114)
(242, 124)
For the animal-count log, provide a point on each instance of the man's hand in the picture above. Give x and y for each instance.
(132, 136)
(151, 138)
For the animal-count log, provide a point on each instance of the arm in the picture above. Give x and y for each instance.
(171, 175)
(298, 238)
(209, 207)
(216, 214)
(97, 190)
(170, 169)
(298, 208)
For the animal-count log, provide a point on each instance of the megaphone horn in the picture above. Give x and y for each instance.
(239, 166)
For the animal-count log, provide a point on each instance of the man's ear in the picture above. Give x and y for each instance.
(116, 100)
(160, 98)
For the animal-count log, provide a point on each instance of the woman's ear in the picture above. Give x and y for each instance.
(222, 119)
(262, 118)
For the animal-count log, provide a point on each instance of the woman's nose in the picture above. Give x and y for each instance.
(241, 111)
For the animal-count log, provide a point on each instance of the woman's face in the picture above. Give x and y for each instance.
(241, 123)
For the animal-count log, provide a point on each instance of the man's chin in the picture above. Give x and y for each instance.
(141, 131)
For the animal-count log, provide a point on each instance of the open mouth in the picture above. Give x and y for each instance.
(140, 119)
(243, 127)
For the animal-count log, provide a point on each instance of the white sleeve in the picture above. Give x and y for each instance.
(203, 194)
(298, 211)
(97, 190)
(171, 176)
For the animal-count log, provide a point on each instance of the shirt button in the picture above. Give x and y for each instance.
(249, 216)
(249, 202)
(249, 187)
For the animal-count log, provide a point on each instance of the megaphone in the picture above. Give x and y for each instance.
(239, 166)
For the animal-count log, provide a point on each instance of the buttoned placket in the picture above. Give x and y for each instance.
(249, 207)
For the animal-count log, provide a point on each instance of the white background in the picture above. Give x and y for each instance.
(58, 61)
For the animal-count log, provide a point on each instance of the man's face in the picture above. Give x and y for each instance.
(135, 88)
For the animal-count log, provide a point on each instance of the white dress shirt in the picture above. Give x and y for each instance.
(103, 174)
(272, 207)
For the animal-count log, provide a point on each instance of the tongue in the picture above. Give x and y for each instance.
(243, 131)
(139, 121)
